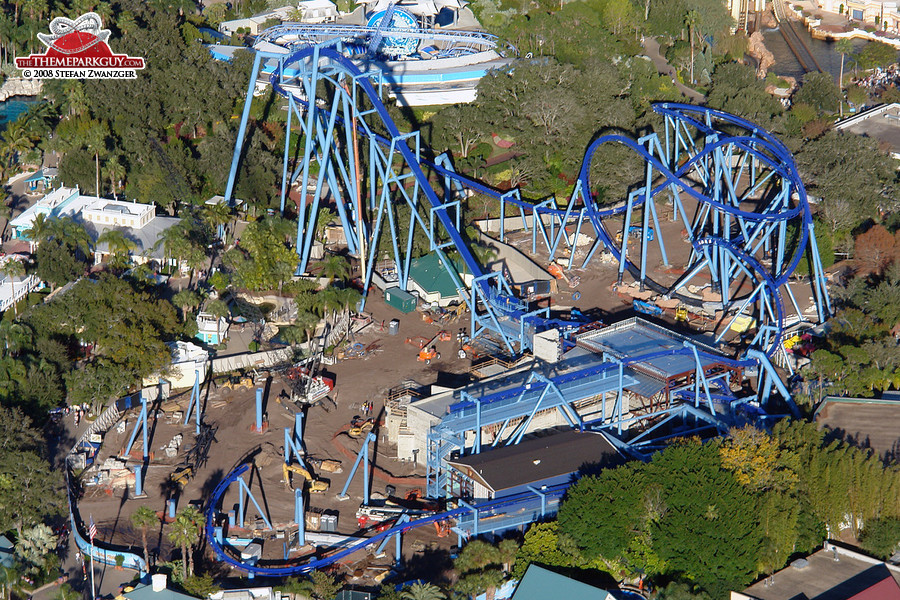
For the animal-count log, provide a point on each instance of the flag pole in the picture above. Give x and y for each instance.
(93, 592)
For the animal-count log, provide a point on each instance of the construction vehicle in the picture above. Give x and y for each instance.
(681, 315)
(235, 382)
(428, 354)
(557, 271)
(181, 475)
(360, 427)
(315, 485)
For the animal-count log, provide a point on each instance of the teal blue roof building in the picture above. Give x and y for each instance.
(540, 584)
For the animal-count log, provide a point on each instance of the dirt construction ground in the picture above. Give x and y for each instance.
(357, 381)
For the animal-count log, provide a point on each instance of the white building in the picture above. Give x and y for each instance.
(20, 287)
(118, 213)
(256, 23)
(317, 11)
(137, 221)
(187, 360)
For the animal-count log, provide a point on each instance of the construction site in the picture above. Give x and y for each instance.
(596, 335)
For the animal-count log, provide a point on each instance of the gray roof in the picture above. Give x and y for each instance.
(146, 237)
(143, 591)
(821, 577)
(883, 127)
(537, 459)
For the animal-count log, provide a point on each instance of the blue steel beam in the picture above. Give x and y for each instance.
(763, 149)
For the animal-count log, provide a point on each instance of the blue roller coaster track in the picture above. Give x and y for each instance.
(734, 187)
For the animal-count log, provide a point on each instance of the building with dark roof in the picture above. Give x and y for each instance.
(538, 462)
(863, 422)
(833, 573)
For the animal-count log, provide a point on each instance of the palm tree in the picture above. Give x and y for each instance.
(218, 309)
(323, 219)
(844, 46)
(218, 215)
(119, 247)
(41, 229)
(94, 138)
(507, 550)
(10, 579)
(691, 20)
(185, 533)
(11, 269)
(477, 563)
(74, 234)
(104, 10)
(144, 518)
(15, 336)
(115, 171)
(335, 267)
(422, 591)
(215, 14)
(186, 300)
(331, 301)
(35, 6)
(75, 97)
(15, 140)
(308, 322)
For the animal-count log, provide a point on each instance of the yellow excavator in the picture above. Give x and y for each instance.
(360, 427)
(315, 485)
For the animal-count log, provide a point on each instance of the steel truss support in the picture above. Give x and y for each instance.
(398, 555)
(361, 456)
(140, 425)
(194, 404)
(293, 441)
(244, 494)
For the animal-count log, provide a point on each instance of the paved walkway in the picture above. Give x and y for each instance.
(651, 49)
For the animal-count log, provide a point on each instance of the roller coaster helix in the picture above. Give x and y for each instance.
(734, 187)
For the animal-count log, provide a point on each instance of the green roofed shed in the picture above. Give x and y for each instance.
(429, 277)
(540, 584)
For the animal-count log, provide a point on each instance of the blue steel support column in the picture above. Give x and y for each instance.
(242, 130)
(477, 425)
(474, 510)
(619, 398)
(244, 489)
(142, 425)
(138, 482)
(543, 498)
(300, 517)
(259, 416)
(194, 404)
(287, 145)
(363, 455)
